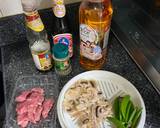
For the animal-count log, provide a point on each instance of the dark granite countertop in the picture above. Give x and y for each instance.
(17, 62)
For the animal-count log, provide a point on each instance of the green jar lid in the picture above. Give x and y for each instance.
(60, 50)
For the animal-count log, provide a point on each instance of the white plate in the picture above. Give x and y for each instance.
(99, 75)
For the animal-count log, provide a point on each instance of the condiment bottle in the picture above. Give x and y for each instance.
(61, 59)
(95, 19)
(37, 36)
(61, 32)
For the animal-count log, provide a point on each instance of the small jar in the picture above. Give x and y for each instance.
(61, 59)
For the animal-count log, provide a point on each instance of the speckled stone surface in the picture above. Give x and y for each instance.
(17, 61)
(11, 29)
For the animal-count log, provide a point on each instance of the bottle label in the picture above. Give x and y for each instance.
(59, 10)
(42, 60)
(34, 21)
(62, 65)
(66, 39)
(89, 45)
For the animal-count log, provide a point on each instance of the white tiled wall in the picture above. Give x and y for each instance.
(12, 7)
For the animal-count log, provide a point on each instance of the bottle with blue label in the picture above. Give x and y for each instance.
(61, 32)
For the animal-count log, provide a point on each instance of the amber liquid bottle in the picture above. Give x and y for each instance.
(95, 19)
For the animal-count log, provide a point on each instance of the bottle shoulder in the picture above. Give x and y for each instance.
(33, 36)
(36, 33)
(88, 4)
(60, 25)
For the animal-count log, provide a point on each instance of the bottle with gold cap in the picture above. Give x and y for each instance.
(37, 36)
(61, 32)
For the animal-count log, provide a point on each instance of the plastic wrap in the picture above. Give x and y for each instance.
(50, 86)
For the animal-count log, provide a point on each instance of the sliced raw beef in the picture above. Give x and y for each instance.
(36, 98)
(21, 108)
(22, 97)
(31, 117)
(31, 105)
(38, 90)
(47, 105)
(22, 120)
(38, 113)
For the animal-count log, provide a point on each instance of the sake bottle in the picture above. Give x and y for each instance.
(61, 32)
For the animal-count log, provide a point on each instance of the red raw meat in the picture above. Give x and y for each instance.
(31, 106)
(31, 117)
(21, 108)
(32, 109)
(22, 97)
(47, 105)
(38, 90)
(22, 120)
(36, 98)
(38, 113)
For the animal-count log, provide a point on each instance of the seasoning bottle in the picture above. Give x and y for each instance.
(37, 36)
(61, 32)
(95, 19)
(61, 59)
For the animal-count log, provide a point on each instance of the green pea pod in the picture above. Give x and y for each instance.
(124, 105)
(120, 116)
(116, 122)
(136, 118)
(132, 117)
(116, 107)
(130, 109)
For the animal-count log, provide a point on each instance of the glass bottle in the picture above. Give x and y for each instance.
(37, 36)
(95, 19)
(61, 32)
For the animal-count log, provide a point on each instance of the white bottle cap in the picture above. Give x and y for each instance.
(59, 11)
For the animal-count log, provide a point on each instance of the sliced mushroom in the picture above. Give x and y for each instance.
(85, 121)
(93, 83)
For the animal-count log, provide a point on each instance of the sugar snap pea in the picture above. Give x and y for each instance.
(116, 107)
(124, 104)
(136, 117)
(116, 122)
(125, 114)
(130, 109)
